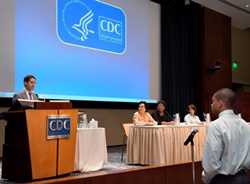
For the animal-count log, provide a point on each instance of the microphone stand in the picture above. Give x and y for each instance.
(193, 165)
(190, 140)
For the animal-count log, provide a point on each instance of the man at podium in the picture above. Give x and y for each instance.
(23, 100)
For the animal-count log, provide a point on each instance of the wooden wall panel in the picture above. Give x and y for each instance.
(216, 48)
(243, 105)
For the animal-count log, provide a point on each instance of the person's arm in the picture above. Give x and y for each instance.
(15, 103)
(135, 118)
(198, 119)
(154, 116)
(212, 153)
(15, 99)
(169, 117)
(151, 119)
(186, 119)
(168, 120)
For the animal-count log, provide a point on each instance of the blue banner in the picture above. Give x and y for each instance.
(92, 24)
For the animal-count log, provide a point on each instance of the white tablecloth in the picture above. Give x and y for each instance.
(161, 144)
(91, 149)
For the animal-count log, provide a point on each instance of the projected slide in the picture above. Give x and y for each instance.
(92, 24)
(83, 49)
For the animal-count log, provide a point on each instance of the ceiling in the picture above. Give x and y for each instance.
(238, 10)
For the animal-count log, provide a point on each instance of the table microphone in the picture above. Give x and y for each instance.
(191, 136)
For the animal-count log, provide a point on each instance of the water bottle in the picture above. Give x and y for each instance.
(82, 120)
(85, 121)
(93, 123)
(208, 119)
(177, 118)
(205, 116)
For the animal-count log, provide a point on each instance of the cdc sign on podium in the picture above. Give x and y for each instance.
(58, 126)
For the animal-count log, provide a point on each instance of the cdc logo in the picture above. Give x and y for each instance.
(58, 126)
(110, 30)
(92, 24)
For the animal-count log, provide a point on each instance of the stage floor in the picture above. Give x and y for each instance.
(117, 172)
(114, 165)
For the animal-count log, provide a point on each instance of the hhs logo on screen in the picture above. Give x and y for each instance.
(92, 24)
(58, 126)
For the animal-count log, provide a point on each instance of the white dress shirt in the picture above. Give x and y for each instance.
(192, 119)
(227, 147)
(28, 94)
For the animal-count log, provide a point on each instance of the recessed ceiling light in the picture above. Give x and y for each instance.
(247, 5)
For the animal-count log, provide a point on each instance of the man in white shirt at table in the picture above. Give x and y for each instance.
(227, 149)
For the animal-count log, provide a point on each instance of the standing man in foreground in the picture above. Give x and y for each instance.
(26, 94)
(227, 149)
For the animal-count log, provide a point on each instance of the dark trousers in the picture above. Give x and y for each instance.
(239, 178)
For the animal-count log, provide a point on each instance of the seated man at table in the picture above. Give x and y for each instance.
(142, 117)
(161, 115)
(26, 94)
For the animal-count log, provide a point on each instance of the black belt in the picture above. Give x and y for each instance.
(241, 173)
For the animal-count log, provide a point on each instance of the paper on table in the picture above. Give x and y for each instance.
(31, 101)
(60, 101)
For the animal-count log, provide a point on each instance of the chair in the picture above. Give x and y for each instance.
(125, 127)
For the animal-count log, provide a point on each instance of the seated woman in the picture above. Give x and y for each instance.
(142, 117)
(161, 115)
(191, 117)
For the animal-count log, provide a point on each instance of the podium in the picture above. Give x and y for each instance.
(29, 153)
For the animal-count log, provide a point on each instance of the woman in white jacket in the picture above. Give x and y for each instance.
(191, 116)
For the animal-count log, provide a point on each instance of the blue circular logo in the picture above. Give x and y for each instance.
(76, 18)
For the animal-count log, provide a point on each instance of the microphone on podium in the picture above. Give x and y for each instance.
(191, 136)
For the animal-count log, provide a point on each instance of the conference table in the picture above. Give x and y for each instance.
(91, 149)
(164, 144)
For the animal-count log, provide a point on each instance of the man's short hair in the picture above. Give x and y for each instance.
(27, 78)
(227, 96)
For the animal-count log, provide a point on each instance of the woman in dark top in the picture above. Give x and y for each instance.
(161, 115)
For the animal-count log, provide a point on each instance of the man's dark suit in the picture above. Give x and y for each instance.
(22, 105)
